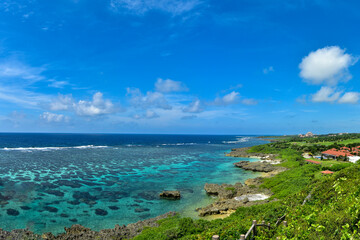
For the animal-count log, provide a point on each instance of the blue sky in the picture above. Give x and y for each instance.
(171, 66)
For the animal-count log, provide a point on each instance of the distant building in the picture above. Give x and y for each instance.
(309, 134)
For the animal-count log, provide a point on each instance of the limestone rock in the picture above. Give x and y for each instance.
(174, 195)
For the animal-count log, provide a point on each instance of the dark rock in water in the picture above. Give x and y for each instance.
(55, 192)
(53, 221)
(101, 212)
(51, 209)
(73, 220)
(139, 201)
(138, 210)
(113, 207)
(135, 205)
(25, 207)
(174, 195)
(12, 212)
(64, 215)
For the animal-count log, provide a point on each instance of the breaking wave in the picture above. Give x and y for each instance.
(31, 149)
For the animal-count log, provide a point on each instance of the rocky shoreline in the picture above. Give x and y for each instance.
(230, 197)
(81, 232)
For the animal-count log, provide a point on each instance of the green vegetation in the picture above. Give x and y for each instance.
(331, 209)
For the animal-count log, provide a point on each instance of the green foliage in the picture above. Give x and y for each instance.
(337, 167)
(292, 181)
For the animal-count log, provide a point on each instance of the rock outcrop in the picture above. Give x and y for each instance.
(172, 195)
(226, 194)
(258, 166)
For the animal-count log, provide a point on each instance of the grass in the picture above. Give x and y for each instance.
(328, 143)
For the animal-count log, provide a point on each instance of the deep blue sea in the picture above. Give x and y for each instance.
(49, 181)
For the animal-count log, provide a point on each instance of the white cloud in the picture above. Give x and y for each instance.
(194, 107)
(98, 105)
(14, 69)
(168, 85)
(249, 101)
(268, 70)
(350, 97)
(327, 65)
(52, 117)
(151, 99)
(228, 99)
(63, 102)
(140, 7)
(58, 84)
(326, 94)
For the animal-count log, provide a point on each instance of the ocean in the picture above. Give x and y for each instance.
(52, 181)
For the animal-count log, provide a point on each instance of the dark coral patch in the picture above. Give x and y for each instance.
(101, 212)
(113, 207)
(51, 209)
(12, 212)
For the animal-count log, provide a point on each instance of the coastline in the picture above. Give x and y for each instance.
(149, 222)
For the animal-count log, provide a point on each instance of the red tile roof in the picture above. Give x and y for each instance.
(312, 161)
(327, 172)
(337, 153)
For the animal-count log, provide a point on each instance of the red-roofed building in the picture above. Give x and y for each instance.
(312, 161)
(327, 172)
(334, 153)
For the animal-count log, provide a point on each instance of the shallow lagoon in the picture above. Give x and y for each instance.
(102, 180)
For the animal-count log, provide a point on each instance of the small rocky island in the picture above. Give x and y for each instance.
(171, 195)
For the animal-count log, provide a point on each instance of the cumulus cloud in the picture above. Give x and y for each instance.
(168, 85)
(327, 65)
(63, 102)
(326, 94)
(151, 99)
(228, 99)
(97, 106)
(52, 117)
(194, 107)
(350, 97)
(140, 7)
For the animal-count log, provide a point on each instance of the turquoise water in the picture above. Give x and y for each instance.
(116, 181)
